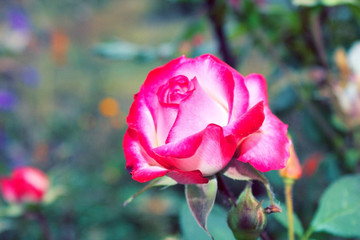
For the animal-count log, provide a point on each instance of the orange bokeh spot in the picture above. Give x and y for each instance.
(185, 48)
(60, 44)
(109, 107)
(118, 121)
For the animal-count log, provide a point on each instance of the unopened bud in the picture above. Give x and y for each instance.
(247, 219)
(293, 168)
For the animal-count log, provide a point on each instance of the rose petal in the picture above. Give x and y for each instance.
(25, 191)
(145, 114)
(248, 123)
(138, 163)
(165, 121)
(29, 184)
(214, 78)
(141, 120)
(195, 113)
(256, 84)
(183, 177)
(240, 92)
(33, 177)
(207, 150)
(17, 189)
(267, 149)
(8, 190)
(160, 75)
(163, 117)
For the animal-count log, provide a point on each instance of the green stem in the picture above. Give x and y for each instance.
(270, 193)
(223, 188)
(260, 177)
(307, 234)
(44, 224)
(217, 12)
(37, 215)
(289, 205)
(318, 38)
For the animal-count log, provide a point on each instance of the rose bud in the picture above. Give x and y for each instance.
(192, 116)
(26, 184)
(247, 219)
(293, 168)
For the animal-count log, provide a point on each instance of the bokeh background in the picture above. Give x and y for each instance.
(69, 69)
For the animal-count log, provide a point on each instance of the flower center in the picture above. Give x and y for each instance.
(175, 90)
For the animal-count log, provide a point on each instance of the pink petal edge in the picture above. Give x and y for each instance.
(138, 163)
(268, 148)
(208, 151)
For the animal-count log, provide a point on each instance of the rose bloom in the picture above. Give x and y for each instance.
(26, 184)
(192, 116)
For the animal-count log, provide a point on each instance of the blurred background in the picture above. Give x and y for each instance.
(69, 69)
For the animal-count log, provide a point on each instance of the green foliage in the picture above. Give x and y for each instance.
(284, 100)
(339, 208)
(283, 220)
(11, 211)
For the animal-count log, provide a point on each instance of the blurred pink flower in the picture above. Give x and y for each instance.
(26, 184)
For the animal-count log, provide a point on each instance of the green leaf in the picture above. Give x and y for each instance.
(162, 181)
(283, 220)
(12, 210)
(243, 171)
(339, 208)
(165, 181)
(53, 194)
(217, 225)
(200, 199)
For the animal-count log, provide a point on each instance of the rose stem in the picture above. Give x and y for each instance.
(225, 190)
(44, 225)
(264, 236)
(289, 205)
(315, 114)
(216, 12)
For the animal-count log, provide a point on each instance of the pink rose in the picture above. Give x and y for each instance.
(26, 184)
(192, 116)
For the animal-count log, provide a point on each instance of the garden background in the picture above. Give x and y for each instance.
(69, 69)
